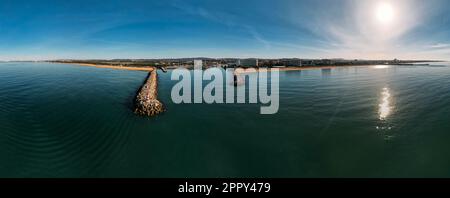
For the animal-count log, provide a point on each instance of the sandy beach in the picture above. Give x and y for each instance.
(148, 69)
(237, 71)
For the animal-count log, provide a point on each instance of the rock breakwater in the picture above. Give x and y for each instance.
(146, 102)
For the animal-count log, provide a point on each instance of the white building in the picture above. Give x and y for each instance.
(198, 64)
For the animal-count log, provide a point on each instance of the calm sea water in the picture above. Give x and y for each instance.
(72, 121)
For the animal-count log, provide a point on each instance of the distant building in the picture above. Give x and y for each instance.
(291, 62)
(198, 63)
(327, 62)
(309, 62)
(250, 62)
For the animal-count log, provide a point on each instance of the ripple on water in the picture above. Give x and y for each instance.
(50, 134)
(73, 122)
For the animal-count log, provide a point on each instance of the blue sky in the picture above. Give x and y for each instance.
(36, 30)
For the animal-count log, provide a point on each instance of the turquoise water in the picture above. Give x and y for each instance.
(71, 121)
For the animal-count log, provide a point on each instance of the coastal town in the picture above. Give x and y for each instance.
(238, 62)
(147, 103)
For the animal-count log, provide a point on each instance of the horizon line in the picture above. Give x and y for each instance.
(214, 58)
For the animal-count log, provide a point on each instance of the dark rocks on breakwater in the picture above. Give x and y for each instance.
(147, 103)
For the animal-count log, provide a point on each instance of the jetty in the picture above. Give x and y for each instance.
(237, 79)
(163, 69)
(146, 102)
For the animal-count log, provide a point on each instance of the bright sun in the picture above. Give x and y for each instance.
(384, 13)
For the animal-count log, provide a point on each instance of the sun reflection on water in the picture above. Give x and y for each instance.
(380, 66)
(385, 106)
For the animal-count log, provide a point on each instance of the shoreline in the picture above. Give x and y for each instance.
(147, 69)
(239, 70)
(298, 68)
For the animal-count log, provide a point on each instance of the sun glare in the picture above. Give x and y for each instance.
(384, 13)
